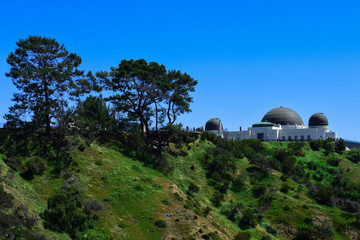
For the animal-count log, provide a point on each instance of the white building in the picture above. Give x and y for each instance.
(279, 124)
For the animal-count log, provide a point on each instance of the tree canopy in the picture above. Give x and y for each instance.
(45, 74)
(148, 91)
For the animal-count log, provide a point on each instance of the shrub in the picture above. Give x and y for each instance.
(353, 155)
(242, 236)
(315, 145)
(333, 160)
(258, 190)
(271, 230)
(321, 193)
(217, 198)
(340, 146)
(193, 188)
(160, 224)
(248, 219)
(206, 211)
(34, 167)
(64, 212)
(295, 148)
(6, 199)
(232, 211)
(239, 182)
(166, 202)
(284, 188)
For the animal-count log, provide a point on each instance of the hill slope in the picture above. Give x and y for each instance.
(254, 198)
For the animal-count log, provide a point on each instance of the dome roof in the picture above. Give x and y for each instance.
(213, 124)
(318, 119)
(264, 124)
(283, 116)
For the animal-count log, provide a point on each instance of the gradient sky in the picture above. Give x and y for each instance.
(248, 56)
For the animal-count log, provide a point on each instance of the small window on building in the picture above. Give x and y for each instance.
(283, 138)
(295, 138)
(309, 138)
(289, 138)
(302, 138)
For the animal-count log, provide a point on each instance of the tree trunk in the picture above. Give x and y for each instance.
(47, 110)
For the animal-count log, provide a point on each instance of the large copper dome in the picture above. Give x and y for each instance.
(283, 116)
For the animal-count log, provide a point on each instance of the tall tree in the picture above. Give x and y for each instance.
(178, 99)
(44, 72)
(134, 88)
(148, 91)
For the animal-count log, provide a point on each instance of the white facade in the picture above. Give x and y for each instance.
(282, 133)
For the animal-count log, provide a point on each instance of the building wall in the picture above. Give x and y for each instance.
(283, 133)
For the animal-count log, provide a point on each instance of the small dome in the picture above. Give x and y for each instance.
(318, 119)
(213, 124)
(283, 116)
(264, 124)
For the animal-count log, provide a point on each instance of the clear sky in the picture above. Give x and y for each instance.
(248, 56)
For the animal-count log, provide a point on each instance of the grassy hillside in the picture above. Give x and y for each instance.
(212, 189)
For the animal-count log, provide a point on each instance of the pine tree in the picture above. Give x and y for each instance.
(44, 72)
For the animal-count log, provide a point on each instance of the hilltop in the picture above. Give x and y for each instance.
(205, 188)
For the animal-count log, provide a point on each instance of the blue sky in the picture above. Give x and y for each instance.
(248, 56)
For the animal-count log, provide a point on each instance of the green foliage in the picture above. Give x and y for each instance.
(193, 188)
(315, 145)
(284, 188)
(160, 224)
(35, 166)
(6, 199)
(217, 198)
(164, 94)
(321, 193)
(353, 155)
(239, 182)
(43, 71)
(242, 236)
(340, 146)
(333, 160)
(296, 148)
(93, 116)
(249, 218)
(65, 212)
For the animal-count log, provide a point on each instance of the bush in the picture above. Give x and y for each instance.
(239, 182)
(315, 145)
(248, 219)
(333, 160)
(217, 198)
(242, 236)
(284, 188)
(160, 224)
(340, 146)
(232, 211)
(353, 155)
(6, 199)
(321, 193)
(193, 188)
(35, 166)
(259, 190)
(271, 230)
(64, 212)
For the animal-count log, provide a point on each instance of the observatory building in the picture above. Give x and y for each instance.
(279, 124)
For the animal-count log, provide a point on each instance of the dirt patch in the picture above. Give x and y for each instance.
(183, 222)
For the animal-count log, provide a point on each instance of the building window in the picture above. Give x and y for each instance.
(295, 138)
(260, 136)
(309, 138)
(283, 138)
(289, 138)
(302, 138)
